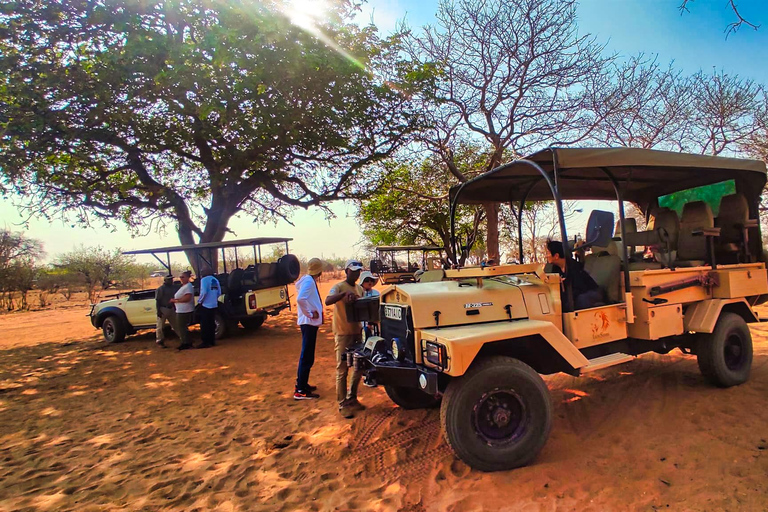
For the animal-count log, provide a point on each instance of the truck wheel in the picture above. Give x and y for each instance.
(288, 268)
(725, 356)
(222, 327)
(253, 322)
(411, 398)
(498, 415)
(113, 329)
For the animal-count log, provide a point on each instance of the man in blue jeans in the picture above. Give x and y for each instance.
(310, 313)
(210, 291)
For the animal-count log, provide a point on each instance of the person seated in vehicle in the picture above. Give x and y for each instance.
(586, 292)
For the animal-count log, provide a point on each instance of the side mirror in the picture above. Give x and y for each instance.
(374, 267)
(599, 229)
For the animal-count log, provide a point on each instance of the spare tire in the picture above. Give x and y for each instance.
(235, 281)
(288, 268)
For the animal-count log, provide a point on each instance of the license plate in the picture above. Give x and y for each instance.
(393, 312)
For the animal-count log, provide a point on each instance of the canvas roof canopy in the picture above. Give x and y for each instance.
(244, 242)
(586, 173)
(395, 248)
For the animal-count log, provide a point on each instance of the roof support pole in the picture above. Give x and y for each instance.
(624, 250)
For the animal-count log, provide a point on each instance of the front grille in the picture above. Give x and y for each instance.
(392, 327)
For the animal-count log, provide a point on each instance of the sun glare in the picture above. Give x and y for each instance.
(307, 13)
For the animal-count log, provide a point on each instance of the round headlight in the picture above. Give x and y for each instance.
(282, 293)
(395, 349)
(423, 381)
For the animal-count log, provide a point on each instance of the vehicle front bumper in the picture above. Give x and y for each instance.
(385, 370)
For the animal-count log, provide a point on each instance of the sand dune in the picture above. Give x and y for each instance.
(90, 426)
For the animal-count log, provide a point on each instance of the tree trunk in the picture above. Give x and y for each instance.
(492, 221)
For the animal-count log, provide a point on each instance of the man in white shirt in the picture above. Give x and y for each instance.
(184, 302)
(310, 313)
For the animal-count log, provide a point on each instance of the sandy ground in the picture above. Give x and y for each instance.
(90, 426)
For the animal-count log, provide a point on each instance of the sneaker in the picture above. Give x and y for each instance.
(161, 344)
(305, 395)
(369, 382)
(354, 404)
(346, 412)
(185, 347)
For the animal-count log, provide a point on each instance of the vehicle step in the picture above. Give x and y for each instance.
(599, 363)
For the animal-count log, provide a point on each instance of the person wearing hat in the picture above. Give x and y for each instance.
(184, 301)
(346, 334)
(310, 313)
(164, 308)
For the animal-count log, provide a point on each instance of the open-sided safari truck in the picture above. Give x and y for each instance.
(479, 339)
(418, 258)
(248, 296)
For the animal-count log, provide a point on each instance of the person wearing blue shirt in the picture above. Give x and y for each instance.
(210, 291)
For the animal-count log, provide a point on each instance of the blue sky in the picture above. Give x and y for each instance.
(694, 41)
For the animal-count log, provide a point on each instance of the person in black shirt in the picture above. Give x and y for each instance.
(586, 293)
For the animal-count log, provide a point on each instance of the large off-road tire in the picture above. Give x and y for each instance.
(113, 329)
(725, 355)
(411, 398)
(253, 322)
(222, 326)
(288, 268)
(498, 415)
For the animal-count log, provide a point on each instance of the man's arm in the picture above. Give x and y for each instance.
(302, 298)
(205, 285)
(158, 295)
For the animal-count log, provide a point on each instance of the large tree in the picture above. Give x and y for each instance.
(411, 205)
(188, 112)
(514, 74)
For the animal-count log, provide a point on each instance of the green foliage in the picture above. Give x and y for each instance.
(193, 111)
(411, 204)
(710, 194)
(19, 267)
(100, 268)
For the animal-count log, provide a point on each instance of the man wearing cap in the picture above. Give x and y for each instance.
(210, 291)
(346, 334)
(184, 300)
(310, 313)
(164, 308)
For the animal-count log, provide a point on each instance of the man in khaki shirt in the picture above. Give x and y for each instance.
(346, 334)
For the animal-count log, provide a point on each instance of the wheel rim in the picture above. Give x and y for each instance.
(109, 330)
(734, 352)
(500, 417)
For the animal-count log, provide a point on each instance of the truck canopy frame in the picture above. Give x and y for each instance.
(621, 174)
(210, 248)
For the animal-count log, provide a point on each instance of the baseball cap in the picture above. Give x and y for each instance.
(354, 265)
(367, 275)
(314, 266)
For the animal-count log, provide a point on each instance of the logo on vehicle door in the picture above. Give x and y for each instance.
(393, 312)
(600, 325)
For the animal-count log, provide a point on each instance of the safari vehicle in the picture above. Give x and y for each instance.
(418, 259)
(248, 296)
(477, 341)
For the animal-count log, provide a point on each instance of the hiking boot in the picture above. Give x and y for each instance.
(346, 412)
(304, 395)
(185, 347)
(354, 404)
(161, 344)
(311, 388)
